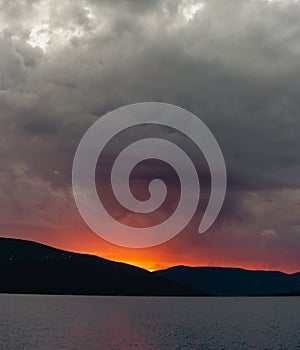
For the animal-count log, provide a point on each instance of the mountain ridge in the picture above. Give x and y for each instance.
(31, 267)
(230, 281)
(226, 268)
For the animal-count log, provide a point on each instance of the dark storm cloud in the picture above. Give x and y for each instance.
(235, 64)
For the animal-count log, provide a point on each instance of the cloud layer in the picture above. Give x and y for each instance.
(235, 64)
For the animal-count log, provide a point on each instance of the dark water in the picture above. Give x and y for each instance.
(104, 323)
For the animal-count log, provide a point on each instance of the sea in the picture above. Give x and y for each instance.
(40, 322)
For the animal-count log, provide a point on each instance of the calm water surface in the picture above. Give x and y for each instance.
(124, 323)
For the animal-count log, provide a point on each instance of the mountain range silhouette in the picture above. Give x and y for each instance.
(32, 268)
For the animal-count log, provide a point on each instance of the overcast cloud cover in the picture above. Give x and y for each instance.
(233, 63)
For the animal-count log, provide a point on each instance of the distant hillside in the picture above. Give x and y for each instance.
(234, 281)
(28, 267)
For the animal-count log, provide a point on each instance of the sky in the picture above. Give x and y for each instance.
(234, 64)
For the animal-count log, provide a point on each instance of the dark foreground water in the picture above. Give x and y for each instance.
(124, 323)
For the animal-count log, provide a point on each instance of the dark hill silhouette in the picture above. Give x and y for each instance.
(29, 267)
(234, 281)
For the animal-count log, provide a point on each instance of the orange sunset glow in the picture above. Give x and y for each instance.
(188, 248)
